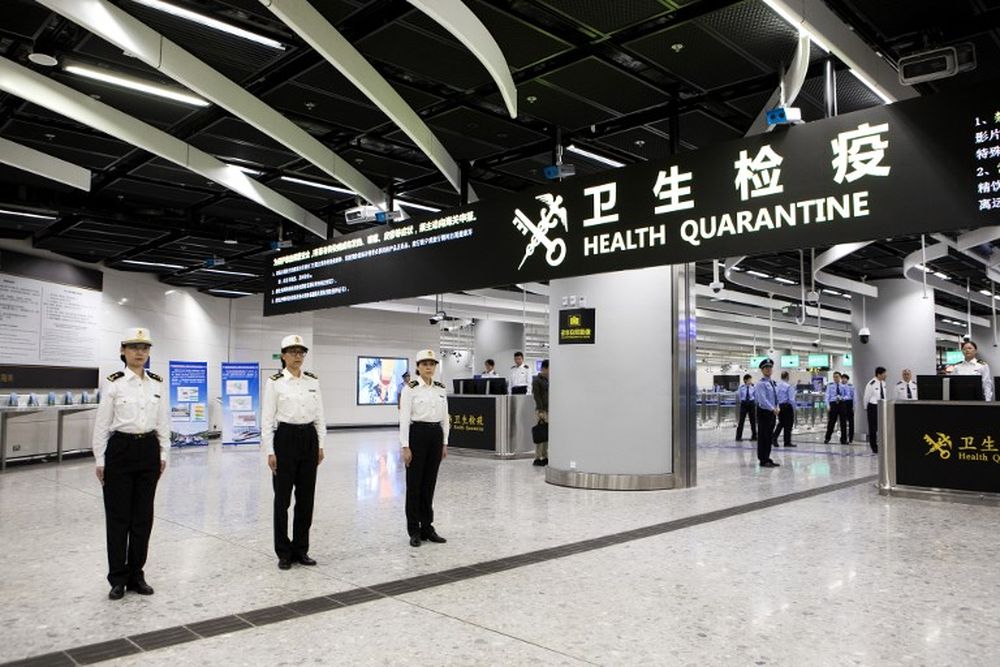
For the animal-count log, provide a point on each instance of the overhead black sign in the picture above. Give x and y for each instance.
(473, 422)
(48, 377)
(29, 266)
(922, 165)
(577, 326)
(948, 446)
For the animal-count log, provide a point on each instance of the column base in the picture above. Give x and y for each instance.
(611, 482)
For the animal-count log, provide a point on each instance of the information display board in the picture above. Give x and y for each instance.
(577, 326)
(240, 403)
(922, 165)
(188, 403)
(818, 361)
(948, 445)
(380, 379)
(789, 361)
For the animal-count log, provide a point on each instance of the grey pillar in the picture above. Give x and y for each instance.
(901, 321)
(622, 411)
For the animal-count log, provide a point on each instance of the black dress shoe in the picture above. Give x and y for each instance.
(304, 559)
(545, 461)
(141, 587)
(537, 462)
(414, 540)
(791, 445)
(768, 464)
(432, 536)
(117, 592)
(284, 563)
(827, 441)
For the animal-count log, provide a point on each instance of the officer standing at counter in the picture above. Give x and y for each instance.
(874, 392)
(972, 366)
(131, 441)
(767, 413)
(847, 406)
(520, 375)
(747, 407)
(786, 410)
(834, 396)
(906, 389)
(292, 431)
(423, 434)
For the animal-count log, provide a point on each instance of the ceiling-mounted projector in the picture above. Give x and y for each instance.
(937, 63)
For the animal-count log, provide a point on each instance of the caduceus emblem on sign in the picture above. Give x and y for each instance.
(551, 217)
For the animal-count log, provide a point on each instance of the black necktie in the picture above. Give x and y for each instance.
(909, 394)
(881, 390)
(838, 390)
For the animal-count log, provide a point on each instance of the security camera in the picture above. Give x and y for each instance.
(812, 296)
(717, 286)
(437, 317)
(966, 338)
(816, 343)
(864, 334)
(772, 353)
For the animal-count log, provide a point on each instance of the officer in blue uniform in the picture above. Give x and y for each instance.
(786, 407)
(834, 397)
(747, 407)
(767, 414)
(848, 406)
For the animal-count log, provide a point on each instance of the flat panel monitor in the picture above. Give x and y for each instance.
(789, 361)
(380, 379)
(818, 361)
(470, 386)
(930, 387)
(953, 357)
(496, 386)
(726, 382)
(847, 361)
(965, 387)
(755, 361)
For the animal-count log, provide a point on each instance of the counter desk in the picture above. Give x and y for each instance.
(60, 411)
(499, 424)
(947, 450)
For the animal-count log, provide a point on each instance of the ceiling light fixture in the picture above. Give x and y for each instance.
(231, 273)
(758, 274)
(210, 22)
(132, 83)
(572, 148)
(247, 170)
(43, 59)
(986, 292)
(942, 276)
(25, 214)
(785, 281)
(321, 186)
(419, 207)
(231, 291)
(159, 265)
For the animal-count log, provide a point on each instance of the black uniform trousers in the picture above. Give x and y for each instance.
(835, 414)
(785, 420)
(131, 471)
(873, 426)
(765, 433)
(296, 448)
(848, 408)
(747, 408)
(426, 442)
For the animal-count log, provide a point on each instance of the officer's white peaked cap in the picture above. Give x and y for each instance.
(137, 335)
(293, 340)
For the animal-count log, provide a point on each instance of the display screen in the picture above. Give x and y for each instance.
(847, 361)
(819, 361)
(953, 356)
(789, 361)
(380, 379)
(755, 361)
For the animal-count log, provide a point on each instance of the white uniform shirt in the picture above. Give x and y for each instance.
(488, 374)
(132, 404)
(422, 402)
(293, 400)
(976, 367)
(520, 376)
(901, 391)
(875, 391)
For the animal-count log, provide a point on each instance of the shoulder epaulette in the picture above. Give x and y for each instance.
(311, 374)
(873, 381)
(278, 376)
(439, 384)
(414, 383)
(154, 376)
(117, 375)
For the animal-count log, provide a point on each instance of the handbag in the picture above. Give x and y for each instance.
(540, 433)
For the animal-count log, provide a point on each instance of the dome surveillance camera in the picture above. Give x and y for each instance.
(817, 342)
(966, 338)
(864, 334)
(716, 286)
(812, 296)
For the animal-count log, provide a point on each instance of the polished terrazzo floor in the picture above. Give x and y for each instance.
(835, 576)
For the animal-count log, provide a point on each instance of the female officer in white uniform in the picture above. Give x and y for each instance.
(972, 366)
(131, 441)
(292, 432)
(423, 434)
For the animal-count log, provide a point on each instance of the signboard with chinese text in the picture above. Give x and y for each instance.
(188, 403)
(948, 445)
(240, 403)
(473, 422)
(927, 164)
(577, 326)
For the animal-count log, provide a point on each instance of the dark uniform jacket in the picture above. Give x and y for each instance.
(540, 390)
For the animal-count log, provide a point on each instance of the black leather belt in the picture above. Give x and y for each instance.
(291, 425)
(425, 423)
(134, 436)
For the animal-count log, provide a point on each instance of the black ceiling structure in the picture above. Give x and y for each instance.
(633, 80)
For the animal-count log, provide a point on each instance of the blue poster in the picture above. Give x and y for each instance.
(240, 403)
(188, 403)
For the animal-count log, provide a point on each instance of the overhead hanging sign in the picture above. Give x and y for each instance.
(928, 164)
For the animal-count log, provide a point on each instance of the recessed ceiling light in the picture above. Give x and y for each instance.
(25, 214)
(210, 22)
(140, 85)
(159, 265)
(594, 156)
(420, 207)
(43, 59)
(314, 184)
(677, 47)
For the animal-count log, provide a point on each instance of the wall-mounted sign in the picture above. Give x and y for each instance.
(948, 446)
(473, 422)
(926, 164)
(818, 361)
(789, 361)
(577, 326)
(756, 361)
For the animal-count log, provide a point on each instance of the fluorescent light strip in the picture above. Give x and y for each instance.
(797, 24)
(321, 186)
(231, 291)
(247, 170)
(137, 262)
(210, 22)
(137, 84)
(881, 94)
(231, 273)
(942, 276)
(986, 292)
(420, 207)
(594, 156)
(758, 274)
(23, 214)
(785, 281)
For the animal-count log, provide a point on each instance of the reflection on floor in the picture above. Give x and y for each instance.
(831, 578)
